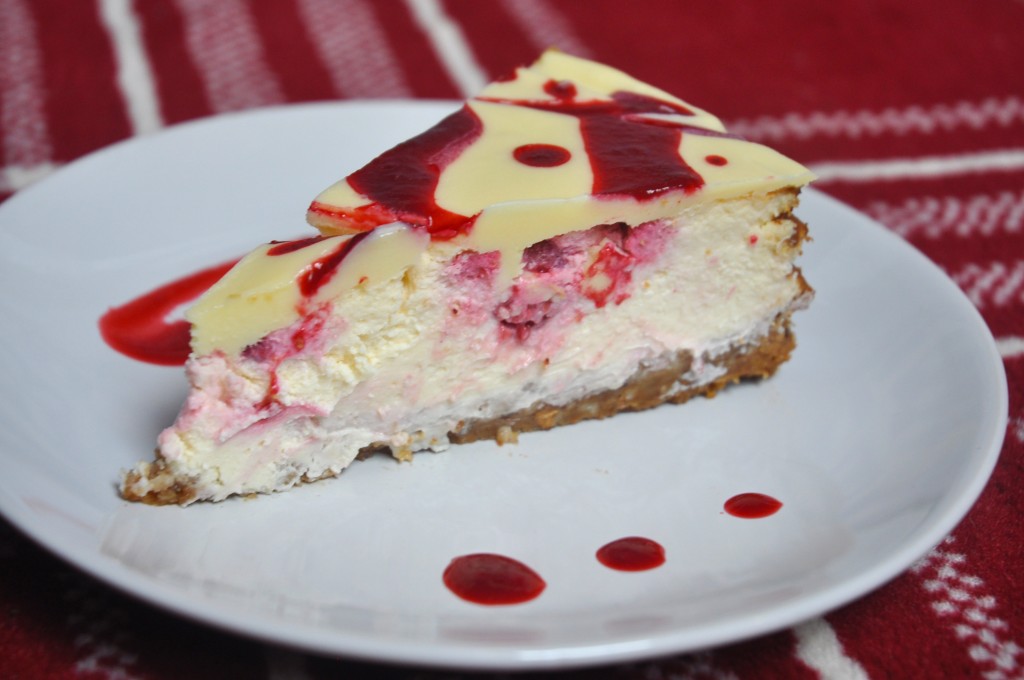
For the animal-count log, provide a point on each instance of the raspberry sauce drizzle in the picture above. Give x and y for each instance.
(285, 247)
(542, 155)
(752, 505)
(139, 329)
(404, 179)
(633, 553)
(563, 89)
(630, 155)
(490, 579)
(320, 271)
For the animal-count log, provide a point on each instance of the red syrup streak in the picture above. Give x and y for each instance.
(629, 155)
(139, 329)
(271, 352)
(403, 180)
(563, 89)
(634, 553)
(613, 266)
(542, 155)
(489, 579)
(273, 389)
(285, 247)
(752, 506)
(320, 271)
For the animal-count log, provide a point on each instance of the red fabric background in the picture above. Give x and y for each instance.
(933, 88)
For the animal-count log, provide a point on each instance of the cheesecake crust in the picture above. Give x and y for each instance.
(646, 389)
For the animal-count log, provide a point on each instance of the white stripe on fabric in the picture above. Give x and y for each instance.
(920, 168)
(353, 47)
(545, 26)
(16, 177)
(23, 128)
(225, 46)
(134, 73)
(451, 45)
(936, 217)
(997, 284)
(1010, 347)
(819, 648)
(991, 112)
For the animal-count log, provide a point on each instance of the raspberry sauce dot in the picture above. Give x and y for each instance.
(752, 505)
(490, 579)
(715, 159)
(633, 553)
(542, 155)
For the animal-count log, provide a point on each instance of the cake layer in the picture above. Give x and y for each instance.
(163, 483)
(442, 349)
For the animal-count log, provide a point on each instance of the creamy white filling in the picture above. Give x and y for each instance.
(400, 367)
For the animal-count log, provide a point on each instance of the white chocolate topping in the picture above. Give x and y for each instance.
(264, 292)
(540, 154)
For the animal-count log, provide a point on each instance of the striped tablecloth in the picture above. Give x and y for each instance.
(910, 110)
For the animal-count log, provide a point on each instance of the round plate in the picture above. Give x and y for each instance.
(877, 436)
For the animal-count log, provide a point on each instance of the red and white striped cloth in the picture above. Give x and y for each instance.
(910, 110)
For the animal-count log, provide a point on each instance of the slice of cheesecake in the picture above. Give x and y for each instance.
(569, 244)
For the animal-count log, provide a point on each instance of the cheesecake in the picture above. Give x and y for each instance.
(568, 244)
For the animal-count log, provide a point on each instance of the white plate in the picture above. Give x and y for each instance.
(878, 435)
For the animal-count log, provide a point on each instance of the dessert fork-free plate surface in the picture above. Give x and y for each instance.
(877, 437)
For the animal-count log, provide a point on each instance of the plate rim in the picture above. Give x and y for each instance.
(309, 638)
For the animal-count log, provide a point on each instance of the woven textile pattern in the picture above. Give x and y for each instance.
(912, 111)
